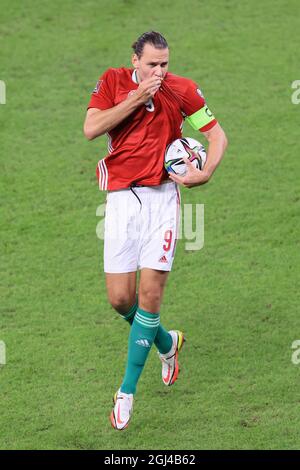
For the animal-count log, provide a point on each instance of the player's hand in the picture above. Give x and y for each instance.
(193, 176)
(147, 88)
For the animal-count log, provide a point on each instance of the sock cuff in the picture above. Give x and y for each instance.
(150, 320)
(131, 312)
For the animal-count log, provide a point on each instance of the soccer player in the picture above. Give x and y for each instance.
(141, 109)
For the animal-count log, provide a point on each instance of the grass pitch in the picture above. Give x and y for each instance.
(237, 300)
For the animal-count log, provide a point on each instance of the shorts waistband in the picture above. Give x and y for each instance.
(136, 185)
(164, 186)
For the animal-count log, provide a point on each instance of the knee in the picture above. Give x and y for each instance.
(122, 303)
(150, 299)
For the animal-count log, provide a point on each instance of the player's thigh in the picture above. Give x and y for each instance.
(160, 230)
(121, 239)
(151, 288)
(121, 290)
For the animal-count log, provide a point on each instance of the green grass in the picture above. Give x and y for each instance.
(237, 299)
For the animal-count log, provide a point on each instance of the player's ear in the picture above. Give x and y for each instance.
(135, 61)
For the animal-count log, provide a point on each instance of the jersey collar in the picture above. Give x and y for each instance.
(134, 77)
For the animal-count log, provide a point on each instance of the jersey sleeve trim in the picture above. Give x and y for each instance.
(200, 118)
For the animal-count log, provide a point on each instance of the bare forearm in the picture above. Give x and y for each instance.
(103, 121)
(215, 152)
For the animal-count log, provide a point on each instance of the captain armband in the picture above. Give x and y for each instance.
(200, 118)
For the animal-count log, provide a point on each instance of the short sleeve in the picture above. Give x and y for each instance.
(103, 93)
(195, 108)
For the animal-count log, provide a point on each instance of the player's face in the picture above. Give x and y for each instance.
(152, 62)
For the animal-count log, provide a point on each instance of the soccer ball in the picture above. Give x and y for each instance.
(184, 147)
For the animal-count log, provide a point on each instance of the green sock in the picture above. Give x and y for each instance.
(163, 340)
(129, 316)
(142, 334)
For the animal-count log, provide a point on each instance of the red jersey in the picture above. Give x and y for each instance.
(137, 145)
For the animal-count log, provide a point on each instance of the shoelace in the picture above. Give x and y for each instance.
(127, 402)
(166, 359)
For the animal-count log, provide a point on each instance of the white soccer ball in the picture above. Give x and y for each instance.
(184, 147)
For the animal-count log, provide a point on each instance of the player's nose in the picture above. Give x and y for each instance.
(158, 71)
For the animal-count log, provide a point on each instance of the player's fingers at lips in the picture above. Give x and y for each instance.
(155, 85)
(155, 80)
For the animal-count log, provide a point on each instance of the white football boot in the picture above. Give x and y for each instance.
(170, 367)
(121, 413)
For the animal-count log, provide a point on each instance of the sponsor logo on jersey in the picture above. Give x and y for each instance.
(163, 259)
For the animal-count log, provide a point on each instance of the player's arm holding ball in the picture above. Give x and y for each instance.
(200, 118)
(217, 143)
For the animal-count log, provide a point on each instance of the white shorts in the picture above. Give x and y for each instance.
(141, 228)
